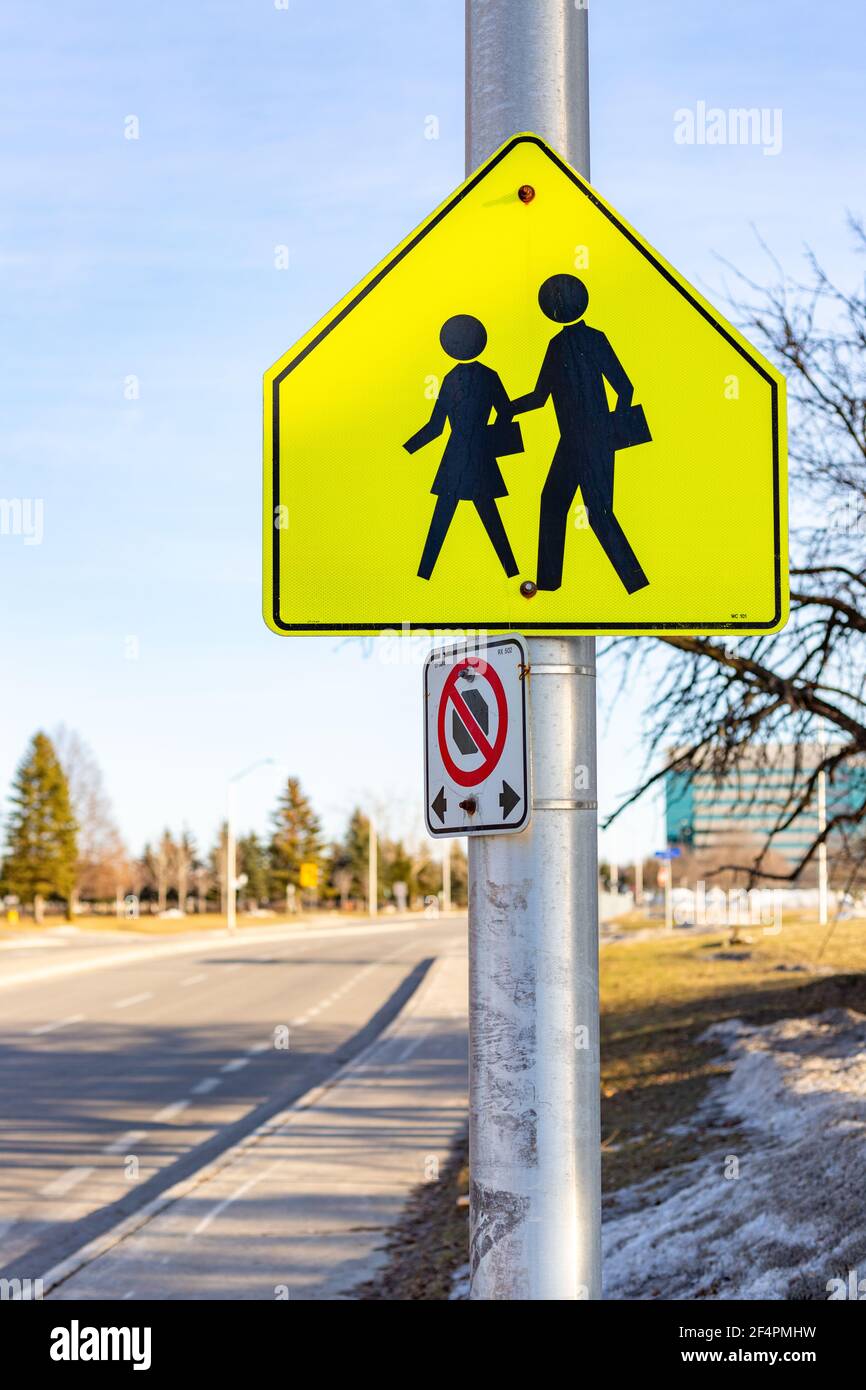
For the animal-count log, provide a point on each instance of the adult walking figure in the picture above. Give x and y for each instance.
(578, 361)
(468, 471)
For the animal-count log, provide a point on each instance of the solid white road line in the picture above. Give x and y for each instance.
(233, 1197)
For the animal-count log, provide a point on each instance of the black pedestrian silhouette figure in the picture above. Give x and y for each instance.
(468, 471)
(578, 361)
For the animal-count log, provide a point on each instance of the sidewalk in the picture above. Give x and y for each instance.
(300, 1210)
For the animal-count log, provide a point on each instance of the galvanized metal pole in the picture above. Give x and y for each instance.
(533, 900)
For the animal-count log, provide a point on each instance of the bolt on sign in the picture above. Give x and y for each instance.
(476, 763)
(524, 417)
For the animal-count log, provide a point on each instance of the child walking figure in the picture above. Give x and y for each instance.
(469, 471)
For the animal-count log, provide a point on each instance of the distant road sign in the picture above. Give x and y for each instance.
(672, 852)
(308, 875)
(524, 417)
(476, 763)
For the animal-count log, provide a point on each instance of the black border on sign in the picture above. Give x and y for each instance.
(459, 649)
(552, 626)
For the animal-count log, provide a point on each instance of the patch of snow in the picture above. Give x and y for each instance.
(779, 1211)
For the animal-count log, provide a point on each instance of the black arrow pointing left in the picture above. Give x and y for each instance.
(440, 805)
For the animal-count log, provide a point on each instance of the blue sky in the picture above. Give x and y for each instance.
(137, 620)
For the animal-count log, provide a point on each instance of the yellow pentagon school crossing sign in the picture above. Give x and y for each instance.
(525, 418)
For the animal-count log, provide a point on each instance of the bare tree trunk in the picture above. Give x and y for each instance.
(39, 908)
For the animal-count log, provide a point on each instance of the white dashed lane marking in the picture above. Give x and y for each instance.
(236, 1065)
(66, 1182)
(59, 1023)
(125, 1142)
(193, 980)
(168, 1112)
(344, 989)
(133, 999)
(210, 1083)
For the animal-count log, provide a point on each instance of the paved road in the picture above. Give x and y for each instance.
(117, 1082)
(301, 1209)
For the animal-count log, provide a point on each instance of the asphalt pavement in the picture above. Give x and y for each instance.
(121, 1080)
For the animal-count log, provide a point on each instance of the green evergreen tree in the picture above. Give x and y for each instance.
(41, 846)
(336, 881)
(356, 852)
(426, 874)
(252, 860)
(396, 865)
(217, 865)
(296, 839)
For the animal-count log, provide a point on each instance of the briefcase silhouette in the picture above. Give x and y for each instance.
(629, 427)
(506, 437)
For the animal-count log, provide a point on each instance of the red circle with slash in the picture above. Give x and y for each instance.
(490, 752)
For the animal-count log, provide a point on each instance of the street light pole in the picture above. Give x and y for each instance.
(535, 1198)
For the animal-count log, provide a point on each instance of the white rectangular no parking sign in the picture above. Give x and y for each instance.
(476, 761)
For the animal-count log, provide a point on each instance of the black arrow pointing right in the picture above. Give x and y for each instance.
(508, 799)
(440, 805)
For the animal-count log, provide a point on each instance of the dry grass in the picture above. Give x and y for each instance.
(136, 926)
(178, 926)
(658, 998)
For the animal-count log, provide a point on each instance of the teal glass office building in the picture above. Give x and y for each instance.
(703, 812)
